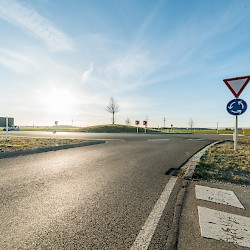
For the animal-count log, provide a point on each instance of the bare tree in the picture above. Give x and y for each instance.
(128, 122)
(191, 123)
(113, 108)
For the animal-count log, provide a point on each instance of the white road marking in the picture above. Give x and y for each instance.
(145, 235)
(158, 139)
(224, 226)
(198, 139)
(221, 196)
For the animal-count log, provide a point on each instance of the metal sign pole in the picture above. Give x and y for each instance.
(236, 134)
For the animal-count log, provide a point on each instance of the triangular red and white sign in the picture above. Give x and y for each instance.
(237, 84)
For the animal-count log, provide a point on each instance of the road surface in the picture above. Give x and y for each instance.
(95, 197)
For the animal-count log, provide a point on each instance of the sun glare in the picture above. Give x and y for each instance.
(59, 101)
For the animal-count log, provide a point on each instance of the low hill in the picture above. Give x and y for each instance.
(116, 128)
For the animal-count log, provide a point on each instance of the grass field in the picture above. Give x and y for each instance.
(208, 131)
(109, 128)
(222, 163)
(47, 128)
(117, 128)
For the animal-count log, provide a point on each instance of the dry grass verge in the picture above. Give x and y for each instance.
(222, 163)
(26, 143)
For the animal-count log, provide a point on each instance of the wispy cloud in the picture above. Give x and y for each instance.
(16, 61)
(32, 22)
(86, 74)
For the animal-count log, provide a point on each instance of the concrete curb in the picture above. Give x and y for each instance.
(42, 150)
(172, 241)
(192, 162)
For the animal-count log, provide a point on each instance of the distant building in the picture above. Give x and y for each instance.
(3, 121)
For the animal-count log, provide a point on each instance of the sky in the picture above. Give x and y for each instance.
(63, 60)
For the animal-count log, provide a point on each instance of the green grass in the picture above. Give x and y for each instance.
(222, 163)
(47, 128)
(208, 131)
(109, 128)
(116, 128)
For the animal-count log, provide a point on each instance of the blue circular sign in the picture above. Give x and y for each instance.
(236, 107)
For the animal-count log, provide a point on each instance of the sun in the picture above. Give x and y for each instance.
(59, 101)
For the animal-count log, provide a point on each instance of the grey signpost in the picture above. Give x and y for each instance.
(236, 106)
(137, 122)
(145, 124)
(56, 123)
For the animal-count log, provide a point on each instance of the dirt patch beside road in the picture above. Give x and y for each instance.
(14, 144)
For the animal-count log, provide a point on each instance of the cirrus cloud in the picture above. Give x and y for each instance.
(32, 22)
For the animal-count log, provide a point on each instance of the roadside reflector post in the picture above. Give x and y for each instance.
(7, 128)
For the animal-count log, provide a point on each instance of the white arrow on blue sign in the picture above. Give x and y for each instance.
(236, 107)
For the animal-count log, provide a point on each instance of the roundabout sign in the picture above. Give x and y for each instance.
(236, 107)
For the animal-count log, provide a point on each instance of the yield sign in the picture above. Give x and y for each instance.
(237, 84)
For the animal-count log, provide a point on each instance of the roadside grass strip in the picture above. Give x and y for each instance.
(144, 237)
(226, 197)
(224, 226)
(221, 163)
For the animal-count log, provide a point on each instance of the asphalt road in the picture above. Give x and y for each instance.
(95, 197)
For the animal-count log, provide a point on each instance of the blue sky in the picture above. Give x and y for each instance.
(63, 60)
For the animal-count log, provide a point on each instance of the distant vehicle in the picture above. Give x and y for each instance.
(12, 128)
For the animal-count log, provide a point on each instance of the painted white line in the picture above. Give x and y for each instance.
(221, 196)
(198, 139)
(145, 235)
(224, 226)
(109, 140)
(158, 139)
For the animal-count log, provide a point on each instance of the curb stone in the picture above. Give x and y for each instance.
(47, 149)
(172, 241)
(192, 162)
